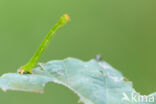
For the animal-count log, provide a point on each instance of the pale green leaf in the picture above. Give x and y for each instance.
(93, 81)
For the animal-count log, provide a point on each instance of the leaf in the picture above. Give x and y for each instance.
(95, 82)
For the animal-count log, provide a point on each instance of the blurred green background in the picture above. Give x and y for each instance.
(122, 31)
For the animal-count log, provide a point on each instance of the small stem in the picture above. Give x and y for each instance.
(33, 61)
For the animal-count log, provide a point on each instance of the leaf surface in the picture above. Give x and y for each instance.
(93, 81)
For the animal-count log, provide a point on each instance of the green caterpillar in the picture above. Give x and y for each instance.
(33, 61)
